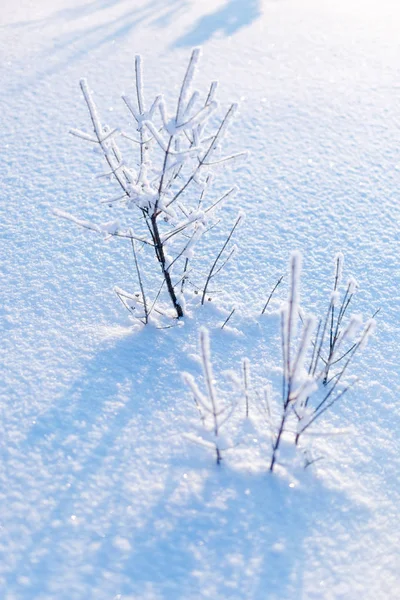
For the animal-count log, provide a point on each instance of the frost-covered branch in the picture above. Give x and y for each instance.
(214, 412)
(176, 156)
(296, 383)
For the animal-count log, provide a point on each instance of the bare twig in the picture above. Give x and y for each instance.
(213, 266)
(228, 318)
(146, 312)
(246, 384)
(271, 294)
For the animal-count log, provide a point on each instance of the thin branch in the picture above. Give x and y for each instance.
(97, 228)
(186, 83)
(185, 270)
(339, 377)
(317, 414)
(146, 312)
(271, 294)
(117, 199)
(218, 135)
(157, 296)
(228, 318)
(343, 356)
(99, 131)
(210, 274)
(246, 384)
(231, 253)
(314, 344)
(221, 199)
(225, 159)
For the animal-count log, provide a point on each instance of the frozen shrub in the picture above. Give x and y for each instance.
(168, 184)
(309, 388)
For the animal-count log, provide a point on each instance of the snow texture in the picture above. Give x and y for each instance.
(104, 494)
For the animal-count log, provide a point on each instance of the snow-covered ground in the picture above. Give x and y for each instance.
(101, 494)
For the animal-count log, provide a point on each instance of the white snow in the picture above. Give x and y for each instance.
(103, 493)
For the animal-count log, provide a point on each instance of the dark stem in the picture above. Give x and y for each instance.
(277, 441)
(159, 249)
(227, 319)
(146, 312)
(185, 269)
(219, 455)
(271, 294)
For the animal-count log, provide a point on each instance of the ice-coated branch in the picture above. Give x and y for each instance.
(367, 332)
(107, 229)
(226, 159)
(214, 415)
(208, 375)
(102, 136)
(139, 83)
(296, 384)
(292, 308)
(212, 92)
(186, 84)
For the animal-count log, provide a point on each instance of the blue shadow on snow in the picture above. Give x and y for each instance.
(226, 20)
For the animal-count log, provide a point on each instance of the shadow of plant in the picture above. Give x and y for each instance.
(118, 503)
(116, 19)
(227, 20)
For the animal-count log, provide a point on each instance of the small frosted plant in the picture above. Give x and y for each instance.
(168, 184)
(213, 410)
(316, 355)
(308, 389)
(336, 341)
(295, 385)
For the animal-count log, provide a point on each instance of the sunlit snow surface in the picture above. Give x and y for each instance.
(101, 495)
